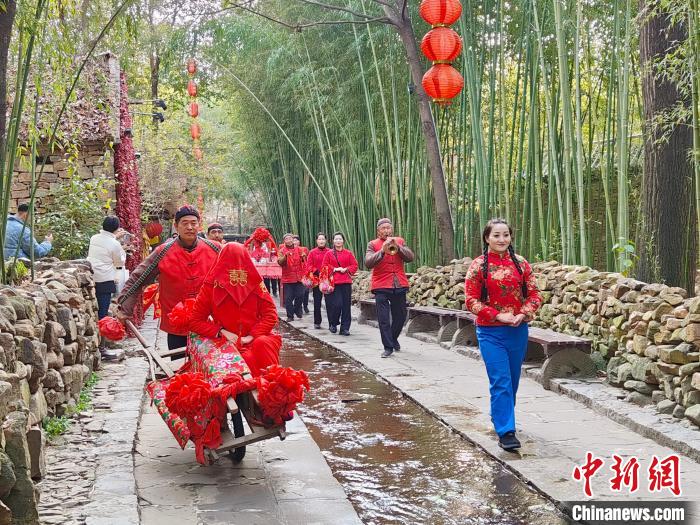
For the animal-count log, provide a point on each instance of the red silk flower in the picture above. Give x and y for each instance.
(280, 389)
(110, 328)
(187, 394)
(181, 314)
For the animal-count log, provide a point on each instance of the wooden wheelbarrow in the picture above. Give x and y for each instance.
(245, 404)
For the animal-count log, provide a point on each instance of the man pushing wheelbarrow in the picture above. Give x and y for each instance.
(232, 354)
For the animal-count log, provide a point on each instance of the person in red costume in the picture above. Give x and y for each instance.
(180, 266)
(304, 256)
(289, 257)
(343, 264)
(314, 261)
(240, 307)
(386, 256)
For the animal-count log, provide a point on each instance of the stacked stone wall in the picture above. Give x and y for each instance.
(93, 160)
(646, 335)
(48, 349)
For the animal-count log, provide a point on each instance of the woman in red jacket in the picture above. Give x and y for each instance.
(343, 265)
(501, 291)
(240, 307)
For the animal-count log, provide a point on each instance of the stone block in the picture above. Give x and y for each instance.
(639, 399)
(691, 398)
(22, 499)
(679, 412)
(677, 355)
(7, 475)
(640, 386)
(65, 317)
(53, 335)
(693, 414)
(666, 406)
(37, 443)
(658, 396)
(53, 380)
(640, 344)
(689, 369)
(69, 353)
(24, 308)
(668, 368)
(38, 408)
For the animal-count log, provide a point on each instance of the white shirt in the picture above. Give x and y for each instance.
(106, 255)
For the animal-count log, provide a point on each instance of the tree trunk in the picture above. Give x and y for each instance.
(155, 73)
(432, 145)
(667, 233)
(7, 17)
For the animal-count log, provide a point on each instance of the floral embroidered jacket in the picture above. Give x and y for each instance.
(504, 289)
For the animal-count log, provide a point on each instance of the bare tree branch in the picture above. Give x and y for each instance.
(337, 8)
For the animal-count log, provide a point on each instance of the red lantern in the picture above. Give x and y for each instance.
(192, 88)
(191, 66)
(441, 44)
(194, 109)
(195, 130)
(440, 12)
(198, 153)
(442, 83)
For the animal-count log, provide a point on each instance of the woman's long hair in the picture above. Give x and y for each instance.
(511, 250)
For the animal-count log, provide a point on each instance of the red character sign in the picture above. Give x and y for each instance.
(587, 471)
(665, 473)
(625, 475)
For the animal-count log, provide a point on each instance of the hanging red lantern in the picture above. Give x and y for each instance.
(191, 66)
(195, 130)
(194, 109)
(441, 44)
(192, 88)
(198, 153)
(442, 83)
(440, 12)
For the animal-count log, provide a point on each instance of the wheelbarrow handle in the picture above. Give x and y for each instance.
(137, 334)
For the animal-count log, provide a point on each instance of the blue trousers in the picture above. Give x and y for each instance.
(503, 350)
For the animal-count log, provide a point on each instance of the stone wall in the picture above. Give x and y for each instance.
(48, 349)
(648, 335)
(93, 160)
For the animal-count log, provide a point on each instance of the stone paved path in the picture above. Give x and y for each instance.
(278, 482)
(90, 476)
(556, 431)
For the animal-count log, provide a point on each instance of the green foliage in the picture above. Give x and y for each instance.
(55, 426)
(16, 271)
(76, 215)
(627, 257)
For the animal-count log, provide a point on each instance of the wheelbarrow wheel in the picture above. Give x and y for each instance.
(238, 454)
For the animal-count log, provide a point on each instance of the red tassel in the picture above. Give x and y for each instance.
(280, 389)
(180, 316)
(110, 328)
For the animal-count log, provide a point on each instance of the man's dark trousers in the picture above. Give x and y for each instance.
(318, 297)
(293, 299)
(391, 314)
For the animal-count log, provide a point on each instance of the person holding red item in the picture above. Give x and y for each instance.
(180, 266)
(304, 257)
(241, 309)
(343, 265)
(501, 291)
(314, 261)
(289, 257)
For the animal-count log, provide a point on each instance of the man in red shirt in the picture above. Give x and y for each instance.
(289, 257)
(180, 266)
(314, 261)
(386, 256)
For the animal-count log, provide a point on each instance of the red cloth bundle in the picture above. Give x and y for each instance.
(181, 314)
(325, 281)
(259, 236)
(187, 394)
(280, 389)
(110, 328)
(151, 296)
(308, 280)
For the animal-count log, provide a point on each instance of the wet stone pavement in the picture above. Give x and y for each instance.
(278, 482)
(89, 478)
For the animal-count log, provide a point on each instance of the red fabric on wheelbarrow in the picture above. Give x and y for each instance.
(110, 328)
(280, 389)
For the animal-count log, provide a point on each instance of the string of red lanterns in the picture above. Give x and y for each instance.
(441, 45)
(193, 110)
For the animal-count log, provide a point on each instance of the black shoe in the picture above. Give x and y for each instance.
(306, 310)
(387, 352)
(397, 348)
(290, 319)
(317, 326)
(333, 329)
(344, 332)
(299, 316)
(508, 441)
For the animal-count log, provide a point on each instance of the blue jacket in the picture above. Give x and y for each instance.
(12, 232)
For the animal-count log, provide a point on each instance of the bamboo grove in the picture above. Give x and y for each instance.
(546, 133)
